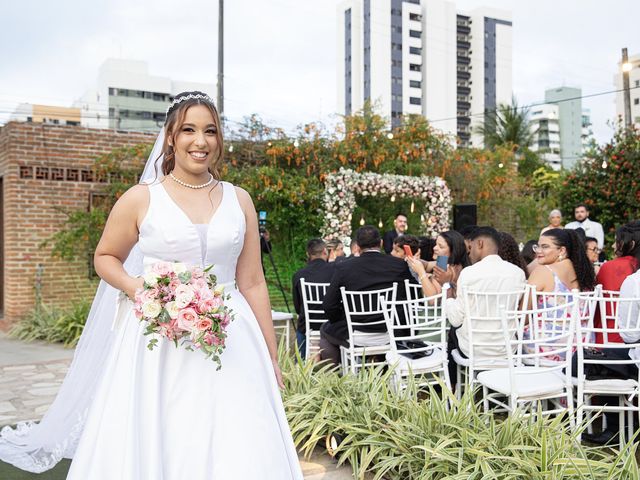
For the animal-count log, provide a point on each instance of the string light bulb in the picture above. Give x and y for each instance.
(390, 136)
(413, 207)
(604, 164)
(393, 198)
(361, 221)
(230, 148)
(296, 143)
(380, 224)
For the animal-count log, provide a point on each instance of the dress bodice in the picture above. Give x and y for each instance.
(167, 233)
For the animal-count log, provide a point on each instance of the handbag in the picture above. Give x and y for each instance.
(411, 344)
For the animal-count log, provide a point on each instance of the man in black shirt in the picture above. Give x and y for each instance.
(370, 271)
(317, 270)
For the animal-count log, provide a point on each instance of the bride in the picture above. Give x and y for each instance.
(125, 412)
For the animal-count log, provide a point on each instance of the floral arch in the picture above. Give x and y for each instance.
(341, 188)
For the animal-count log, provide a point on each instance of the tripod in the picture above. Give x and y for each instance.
(267, 244)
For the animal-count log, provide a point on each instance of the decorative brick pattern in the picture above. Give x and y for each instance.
(46, 169)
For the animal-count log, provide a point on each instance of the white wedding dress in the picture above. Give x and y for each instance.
(167, 414)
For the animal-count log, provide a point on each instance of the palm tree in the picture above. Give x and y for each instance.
(507, 124)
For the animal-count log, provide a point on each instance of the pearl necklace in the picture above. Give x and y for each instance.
(188, 185)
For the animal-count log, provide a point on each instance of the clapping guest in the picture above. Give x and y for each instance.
(510, 252)
(449, 244)
(555, 220)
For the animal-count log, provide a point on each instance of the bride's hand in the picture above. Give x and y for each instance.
(136, 283)
(276, 369)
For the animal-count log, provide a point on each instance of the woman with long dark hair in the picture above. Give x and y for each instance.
(449, 244)
(509, 252)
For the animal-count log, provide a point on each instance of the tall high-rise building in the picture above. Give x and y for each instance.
(545, 126)
(424, 57)
(634, 90)
(569, 102)
(127, 97)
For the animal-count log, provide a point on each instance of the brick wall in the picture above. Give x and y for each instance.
(44, 167)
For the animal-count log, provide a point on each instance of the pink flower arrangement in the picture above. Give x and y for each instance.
(185, 305)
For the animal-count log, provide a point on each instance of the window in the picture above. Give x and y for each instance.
(637, 83)
(636, 101)
(112, 91)
(415, 101)
(415, 84)
(415, 33)
(415, 50)
(415, 68)
(396, 63)
(415, 16)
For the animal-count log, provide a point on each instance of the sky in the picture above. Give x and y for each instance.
(280, 55)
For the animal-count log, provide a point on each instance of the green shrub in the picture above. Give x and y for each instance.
(398, 437)
(52, 324)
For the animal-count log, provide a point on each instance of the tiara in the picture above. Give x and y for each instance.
(191, 96)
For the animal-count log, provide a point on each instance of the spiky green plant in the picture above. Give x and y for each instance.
(399, 437)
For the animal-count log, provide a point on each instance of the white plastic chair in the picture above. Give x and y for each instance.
(625, 313)
(483, 324)
(533, 377)
(314, 315)
(413, 290)
(364, 345)
(420, 327)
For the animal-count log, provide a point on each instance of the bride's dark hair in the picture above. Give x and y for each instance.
(175, 118)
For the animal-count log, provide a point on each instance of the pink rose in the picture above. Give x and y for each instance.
(225, 321)
(208, 338)
(204, 324)
(205, 306)
(187, 318)
(161, 268)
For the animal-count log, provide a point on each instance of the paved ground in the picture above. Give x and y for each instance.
(31, 373)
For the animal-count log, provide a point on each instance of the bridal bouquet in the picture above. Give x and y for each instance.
(185, 305)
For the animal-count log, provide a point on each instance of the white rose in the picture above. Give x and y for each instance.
(150, 278)
(151, 309)
(172, 310)
(179, 268)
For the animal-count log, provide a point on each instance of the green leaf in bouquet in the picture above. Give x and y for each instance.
(206, 270)
(164, 316)
(152, 344)
(184, 277)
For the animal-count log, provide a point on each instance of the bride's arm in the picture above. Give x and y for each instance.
(118, 238)
(250, 277)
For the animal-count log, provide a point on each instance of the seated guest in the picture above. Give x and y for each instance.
(555, 220)
(562, 264)
(426, 248)
(562, 267)
(593, 252)
(614, 272)
(336, 251)
(466, 232)
(510, 252)
(400, 226)
(370, 271)
(529, 255)
(627, 314)
(398, 246)
(449, 244)
(317, 270)
(488, 273)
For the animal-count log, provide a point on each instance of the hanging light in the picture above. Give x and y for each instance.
(390, 136)
(604, 164)
(230, 148)
(296, 143)
(413, 207)
(393, 198)
(361, 221)
(380, 224)
(268, 144)
(500, 165)
(422, 218)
